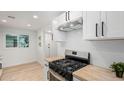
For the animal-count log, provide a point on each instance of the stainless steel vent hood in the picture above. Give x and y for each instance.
(71, 25)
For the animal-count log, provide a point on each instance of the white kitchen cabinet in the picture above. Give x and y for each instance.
(91, 27)
(68, 16)
(63, 19)
(115, 24)
(110, 25)
(75, 15)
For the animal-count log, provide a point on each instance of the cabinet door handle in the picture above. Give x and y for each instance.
(68, 15)
(96, 30)
(102, 28)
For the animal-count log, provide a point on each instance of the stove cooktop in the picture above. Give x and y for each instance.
(69, 65)
(66, 67)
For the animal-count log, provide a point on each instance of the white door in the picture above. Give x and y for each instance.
(92, 24)
(115, 24)
(50, 45)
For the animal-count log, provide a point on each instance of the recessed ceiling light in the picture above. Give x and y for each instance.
(29, 25)
(4, 20)
(35, 17)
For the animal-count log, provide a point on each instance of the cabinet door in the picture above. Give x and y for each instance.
(115, 24)
(75, 14)
(92, 24)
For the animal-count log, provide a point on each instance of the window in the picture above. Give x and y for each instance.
(21, 41)
(11, 41)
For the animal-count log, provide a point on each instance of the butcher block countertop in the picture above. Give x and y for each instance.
(51, 59)
(95, 73)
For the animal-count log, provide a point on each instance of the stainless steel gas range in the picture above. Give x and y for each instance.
(60, 70)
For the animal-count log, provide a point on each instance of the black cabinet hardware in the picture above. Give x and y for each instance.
(68, 15)
(102, 28)
(96, 30)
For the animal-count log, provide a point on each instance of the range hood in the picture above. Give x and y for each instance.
(71, 25)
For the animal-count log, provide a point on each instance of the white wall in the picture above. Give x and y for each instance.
(103, 53)
(15, 56)
(40, 50)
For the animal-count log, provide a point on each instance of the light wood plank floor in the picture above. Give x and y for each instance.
(25, 72)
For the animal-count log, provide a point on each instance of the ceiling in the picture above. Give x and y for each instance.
(25, 20)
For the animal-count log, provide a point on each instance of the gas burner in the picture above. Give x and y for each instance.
(65, 67)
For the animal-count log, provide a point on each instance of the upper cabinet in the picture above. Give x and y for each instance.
(91, 24)
(68, 16)
(63, 19)
(114, 24)
(103, 25)
(72, 15)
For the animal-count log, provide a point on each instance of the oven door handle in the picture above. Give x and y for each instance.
(55, 75)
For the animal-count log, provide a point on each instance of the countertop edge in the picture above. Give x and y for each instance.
(51, 59)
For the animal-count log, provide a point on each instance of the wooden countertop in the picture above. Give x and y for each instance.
(51, 59)
(95, 73)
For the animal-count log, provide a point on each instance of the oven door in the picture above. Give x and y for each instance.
(53, 76)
